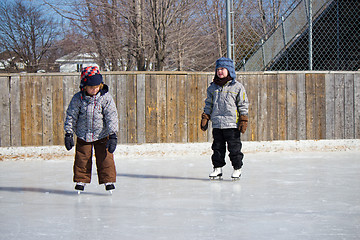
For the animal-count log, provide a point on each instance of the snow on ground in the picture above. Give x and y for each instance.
(169, 149)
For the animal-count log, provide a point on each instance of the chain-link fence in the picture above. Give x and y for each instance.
(333, 44)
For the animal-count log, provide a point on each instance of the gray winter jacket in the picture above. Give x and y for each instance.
(92, 118)
(225, 104)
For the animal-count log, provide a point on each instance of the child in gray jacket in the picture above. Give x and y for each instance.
(226, 106)
(93, 117)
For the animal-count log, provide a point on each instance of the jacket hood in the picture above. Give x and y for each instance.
(228, 64)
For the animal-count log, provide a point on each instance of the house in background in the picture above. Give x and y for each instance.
(10, 63)
(74, 62)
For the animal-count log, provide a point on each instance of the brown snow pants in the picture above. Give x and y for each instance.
(83, 162)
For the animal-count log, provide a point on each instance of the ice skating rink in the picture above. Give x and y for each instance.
(308, 190)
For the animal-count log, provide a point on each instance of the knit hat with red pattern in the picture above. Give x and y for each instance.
(90, 76)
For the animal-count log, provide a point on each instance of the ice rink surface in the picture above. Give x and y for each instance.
(282, 195)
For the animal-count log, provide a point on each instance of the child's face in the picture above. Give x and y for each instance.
(92, 90)
(222, 72)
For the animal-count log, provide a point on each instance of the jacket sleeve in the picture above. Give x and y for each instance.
(72, 114)
(242, 101)
(208, 101)
(111, 115)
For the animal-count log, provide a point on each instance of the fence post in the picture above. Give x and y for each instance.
(229, 29)
(310, 36)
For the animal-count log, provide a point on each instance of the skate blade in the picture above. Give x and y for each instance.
(110, 192)
(216, 178)
(235, 179)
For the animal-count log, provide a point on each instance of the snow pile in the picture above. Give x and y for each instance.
(303, 146)
(180, 149)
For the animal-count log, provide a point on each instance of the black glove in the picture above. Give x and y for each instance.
(69, 141)
(111, 143)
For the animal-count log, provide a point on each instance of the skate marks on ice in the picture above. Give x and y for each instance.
(153, 176)
(48, 191)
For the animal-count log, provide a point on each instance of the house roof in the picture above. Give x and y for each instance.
(77, 58)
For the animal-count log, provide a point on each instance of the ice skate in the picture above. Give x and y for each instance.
(80, 187)
(216, 174)
(109, 187)
(236, 174)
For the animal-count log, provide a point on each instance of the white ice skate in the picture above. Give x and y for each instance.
(216, 174)
(80, 187)
(236, 174)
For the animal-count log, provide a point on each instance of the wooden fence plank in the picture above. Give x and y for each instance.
(330, 105)
(121, 89)
(339, 106)
(272, 107)
(310, 106)
(182, 106)
(69, 89)
(320, 106)
(281, 109)
(301, 107)
(32, 130)
(263, 110)
(291, 103)
(37, 112)
(357, 105)
(47, 113)
(171, 115)
(23, 109)
(111, 81)
(151, 126)
(243, 79)
(140, 108)
(252, 92)
(201, 96)
(210, 78)
(349, 129)
(58, 110)
(27, 110)
(34, 118)
(161, 106)
(15, 111)
(5, 125)
(131, 108)
(191, 98)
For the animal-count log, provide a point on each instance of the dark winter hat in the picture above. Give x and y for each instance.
(228, 64)
(90, 76)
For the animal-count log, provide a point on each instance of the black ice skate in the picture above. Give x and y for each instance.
(216, 174)
(109, 187)
(80, 187)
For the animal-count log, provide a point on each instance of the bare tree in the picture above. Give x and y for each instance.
(162, 15)
(165, 34)
(191, 47)
(26, 32)
(262, 17)
(214, 16)
(139, 48)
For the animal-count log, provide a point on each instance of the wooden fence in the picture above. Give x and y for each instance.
(157, 107)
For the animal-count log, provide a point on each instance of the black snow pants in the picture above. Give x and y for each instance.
(231, 136)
